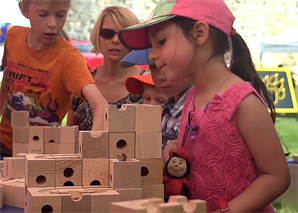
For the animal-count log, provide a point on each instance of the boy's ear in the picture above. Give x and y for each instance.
(200, 32)
(24, 10)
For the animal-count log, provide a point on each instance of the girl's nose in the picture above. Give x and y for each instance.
(153, 54)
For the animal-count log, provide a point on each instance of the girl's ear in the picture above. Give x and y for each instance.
(200, 32)
(24, 9)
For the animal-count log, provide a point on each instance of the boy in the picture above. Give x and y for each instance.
(42, 70)
(177, 91)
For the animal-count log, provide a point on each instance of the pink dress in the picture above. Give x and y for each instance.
(221, 163)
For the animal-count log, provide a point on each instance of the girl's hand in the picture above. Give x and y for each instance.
(172, 144)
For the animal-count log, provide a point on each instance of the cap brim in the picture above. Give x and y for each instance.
(136, 36)
(139, 57)
(134, 84)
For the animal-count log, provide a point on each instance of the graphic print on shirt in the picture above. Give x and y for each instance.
(29, 90)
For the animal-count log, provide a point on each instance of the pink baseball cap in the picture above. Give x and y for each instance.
(213, 12)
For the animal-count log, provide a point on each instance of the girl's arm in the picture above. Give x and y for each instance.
(257, 129)
(71, 119)
(3, 90)
(97, 103)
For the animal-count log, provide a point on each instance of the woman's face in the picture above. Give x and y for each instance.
(110, 46)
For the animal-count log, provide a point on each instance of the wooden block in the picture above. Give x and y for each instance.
(41, 200)
(52, 148)
(19, 118)
(149, 191)
(14, 167)
(101, 201)
(137, 206)
(51, 134)
(68, 172)
(295, 158)
(76, 202)
(67, 148)
(130, 194)
(125, 174)
(148, 145)
(20, 134)
(40, 171)
(36, 137)
(93, 145)
(70, 189)
(147, 118)
(69, 134)
(121, 143)
(19, 148)
(151, 171)
(19, 193)
(1, 168)
(7, 192)
(191, 206)
(1, 197)
(96, 172)
(120, 120)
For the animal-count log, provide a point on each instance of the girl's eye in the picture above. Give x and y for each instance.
(162, 42)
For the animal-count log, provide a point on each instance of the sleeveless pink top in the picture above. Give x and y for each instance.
(221, 163)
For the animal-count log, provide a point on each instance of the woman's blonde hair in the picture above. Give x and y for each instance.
(122, 16)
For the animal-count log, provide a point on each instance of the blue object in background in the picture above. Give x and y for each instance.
(3, 30)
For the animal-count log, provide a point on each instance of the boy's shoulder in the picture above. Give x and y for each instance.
(18, 29)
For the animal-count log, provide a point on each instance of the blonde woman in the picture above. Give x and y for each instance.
(110, 77)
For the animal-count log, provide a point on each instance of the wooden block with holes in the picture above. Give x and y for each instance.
(101, 199)
(149, 191)
(76, 201)
(14, 167)
(121, 142)
(1, 197)
(125, 174)
(151, 171)
(69, 134)
(68, 171)
(36, 137)
(93, 145)
(147, 118)
(19, 148)
(51, 134)
(7, 191)
(148, 145)
(19, 193)
(40, 171)
(130, 194)
(19, 118)
(46, 199)
(96, 172)
(20, 134)
(120, 120)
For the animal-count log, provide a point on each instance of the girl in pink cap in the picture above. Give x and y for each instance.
(237, 163)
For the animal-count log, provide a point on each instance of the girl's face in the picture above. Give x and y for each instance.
(171, 51)
(169, 88)
(111, 48)
(153, 96)
(47, 19)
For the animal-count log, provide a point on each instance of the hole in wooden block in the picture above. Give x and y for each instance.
(68, 183)
(144, 171)
(41, 179)
(35, 138)
(121, 144)
(122, 157)
(68, 172)
(106, 116)
(47, 209)
(51, 141)
(95, 182)
(76, 196)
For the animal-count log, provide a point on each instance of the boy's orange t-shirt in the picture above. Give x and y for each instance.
(40, 81)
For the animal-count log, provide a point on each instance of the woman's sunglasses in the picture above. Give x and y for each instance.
(107, 33)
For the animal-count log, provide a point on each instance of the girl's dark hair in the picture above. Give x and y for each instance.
(242, 64)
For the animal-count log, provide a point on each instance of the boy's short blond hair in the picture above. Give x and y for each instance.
(25, 3)
(122, 16)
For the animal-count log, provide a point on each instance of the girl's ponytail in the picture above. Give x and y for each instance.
(242, 66)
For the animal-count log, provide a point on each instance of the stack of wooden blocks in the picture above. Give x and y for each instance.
(42, 139)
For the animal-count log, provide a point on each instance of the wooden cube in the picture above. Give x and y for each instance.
(51, 134)
(68, 171)
(36, 137)
(96, 172)
(19, 118)
(147, 118)
(93, 145)
(19, 148)
(20, 134)
(1, 197)
(40, 171)
(69, 134)
(101, 200)
(19, 193)
(130, 194)
(7, 189)
(120, 120)
(151, 171)
(121, 143)
(148, 145)
(14, 167)
(125, 174)
(76, 202)
(43, 200)
(52, 148)
(149, 191)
